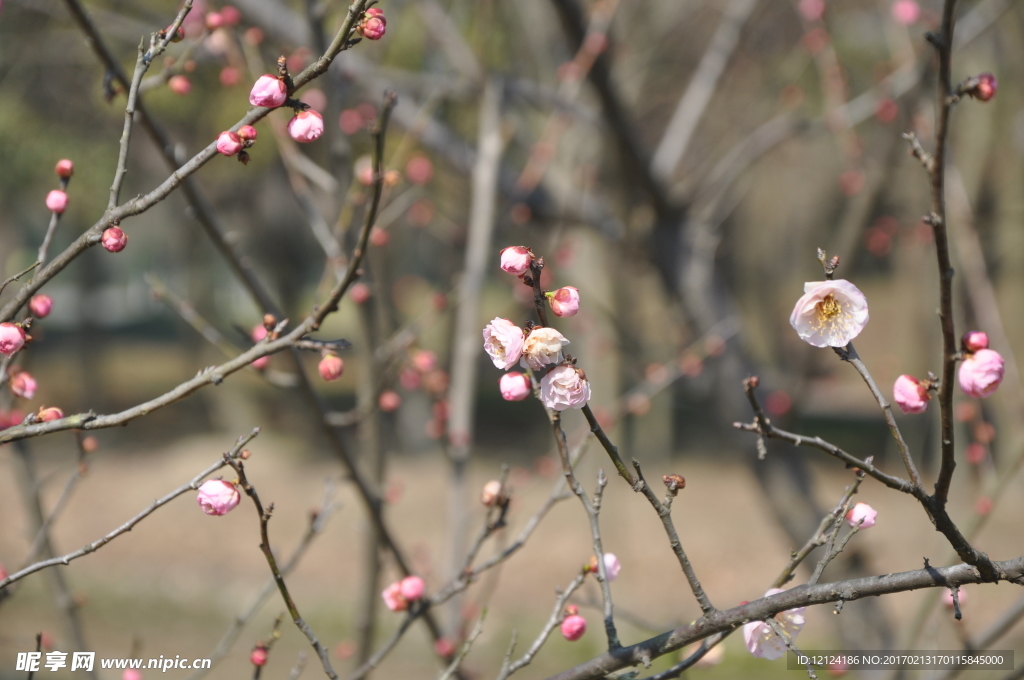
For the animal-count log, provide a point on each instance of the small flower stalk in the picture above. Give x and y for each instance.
(830, 313)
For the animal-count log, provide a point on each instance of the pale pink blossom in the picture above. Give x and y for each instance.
(419, 169)
(424, 360)
(906, 12)
(131, 673)
(542, 346)
(516, 260)
(306, 126)
(762, 641)
(830, 313)
(40, 305)
(217, 497)
(981, 372)
(974, 340)
(331, 367)
(12, 338)
(564, 387)
(573, 627)
(57, 201)
(231, 15)
(23, 385)
(565, 301)
(611, 566)
(811, 10)
(393, 598)
(229, 143)
(503, 342)
(113, 239)
(515, 386)
(389, 401)
(65, 168)
(490, 493)
(179, 85)
(268, 91)
(862, 514)
(910, 395)
(411, 587)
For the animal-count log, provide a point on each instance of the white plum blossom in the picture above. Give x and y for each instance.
(542, 346)
(830, 313)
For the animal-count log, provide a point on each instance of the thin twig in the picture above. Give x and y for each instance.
(557, 614)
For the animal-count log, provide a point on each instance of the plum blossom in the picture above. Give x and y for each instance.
(114, 239)
(503, 342)
(910, 394)
(573, 625)
(980, 373)
(399, 594)
(516, 260)
(306, 126)
(490, 493)
(40, 305)
(762, 641)
(611, 566)
(565, 301)
(863, 515)
(564, 387)
(331, 367)
(217, 497)
(830, 313)
(974, 340)
(229, 143)
(57, 201)
(542, 346)
(12, 338)
(514, 386)
(268, 91)
(411, 588)
(23, 385)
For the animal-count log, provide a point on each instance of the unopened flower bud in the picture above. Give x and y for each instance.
(217, 497)
(40, 305)
(906, 12)
(490, 493)
(229, 143)
(393, 598)
(516, 260)
(269, 91)
(179, 85)
(214, 20)
(244, 454)
(419, 169)
(515, 386)
(177, 36)
(331, 367)
(974, 340)
(862, 514)
(444, 648)
(359, 293)
(306, 126)
(23, 385)
(47, 414)
(565, 301)
(373, 25)
(981, 372)
(247, 133)
(12, 338)
(389, 401)
(910, 394)
(573, 627)
(986, 87)
(258, 656)
(65, 168)
(114, 239)
(411, 588)
(57, 201)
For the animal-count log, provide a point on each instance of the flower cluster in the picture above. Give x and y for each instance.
(979, 376)
(399, 594)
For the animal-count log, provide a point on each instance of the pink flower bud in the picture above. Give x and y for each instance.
(114, 239)
(906, 12)
(986, 87)
(306, 126)
(419, 169)
(178, 36)
(516, 260)
(230, 76)
(57, 201)
(490, 493)
(373, 25)
(247, 133)
(217, 497)
(976, 453)
(268, 91)
(40, 306)
(258, 656)
(564, 387)
(45, 415)
(981, 372)
(379, 237)
(861, 511)
(443, 647)
(23, 385)
(611, 566)
(389, 401)
(910, 395)
(331, 367)
(974, 340)
(12, 338)
(131, 673)
(359, 293)
(65, 168)
(573, 627)
(230, 15)
(515, 386)
(179, 85)
(811, 10)
(393, 598)
(411, 588)
(229, 143)
(565, 301)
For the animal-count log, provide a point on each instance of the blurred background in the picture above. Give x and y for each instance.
(677, 161)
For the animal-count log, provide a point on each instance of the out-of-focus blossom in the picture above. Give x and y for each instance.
(762, 641)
